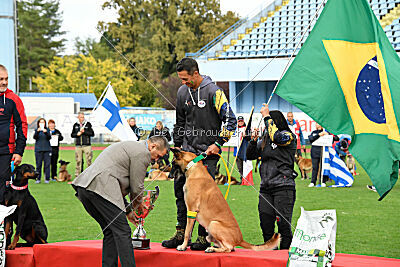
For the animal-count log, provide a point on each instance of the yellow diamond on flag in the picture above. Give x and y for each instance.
(361, 72)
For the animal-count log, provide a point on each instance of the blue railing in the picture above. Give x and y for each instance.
(216, 39)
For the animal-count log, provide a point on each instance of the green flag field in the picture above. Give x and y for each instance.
(365, 225)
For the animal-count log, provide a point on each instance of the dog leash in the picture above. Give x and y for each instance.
(195, 160)
(12, 165)
(203, 156)
(228, 174)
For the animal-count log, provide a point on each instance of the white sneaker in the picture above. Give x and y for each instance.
(323, 185)
(371, 187)
(311, 185)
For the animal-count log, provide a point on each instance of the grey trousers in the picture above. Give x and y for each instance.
(117, 234)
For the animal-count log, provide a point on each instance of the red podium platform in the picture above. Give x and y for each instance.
(21, 257)
(88, 253)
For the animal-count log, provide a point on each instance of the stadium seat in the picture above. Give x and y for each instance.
(276, 32)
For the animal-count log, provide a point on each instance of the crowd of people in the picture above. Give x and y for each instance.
(202, 108)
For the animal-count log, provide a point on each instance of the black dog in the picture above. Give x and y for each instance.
(27, 217)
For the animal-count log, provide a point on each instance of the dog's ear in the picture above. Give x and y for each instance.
(177, 152)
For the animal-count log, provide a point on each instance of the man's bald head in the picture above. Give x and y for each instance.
(3, 68)
(3, 78)
(290, 117)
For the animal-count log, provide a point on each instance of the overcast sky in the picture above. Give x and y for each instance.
(80, 17)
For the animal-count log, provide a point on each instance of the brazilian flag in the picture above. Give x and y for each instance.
(347, 78)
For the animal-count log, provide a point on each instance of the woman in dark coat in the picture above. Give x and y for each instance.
(277, 147)
(42, 150)
(160, 130)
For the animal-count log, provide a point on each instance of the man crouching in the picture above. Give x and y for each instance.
(119, 170)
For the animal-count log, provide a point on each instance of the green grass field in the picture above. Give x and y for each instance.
(365, 225)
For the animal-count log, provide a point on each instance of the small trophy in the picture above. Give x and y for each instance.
(139, 240)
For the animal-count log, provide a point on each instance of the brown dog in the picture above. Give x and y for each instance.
(205, 202)
(351, 164)
(221, 179)
(158, 175)
(305, 165)
(63, 174)
(160, 165)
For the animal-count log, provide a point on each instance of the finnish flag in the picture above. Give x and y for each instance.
(108, 113)
(335, 168)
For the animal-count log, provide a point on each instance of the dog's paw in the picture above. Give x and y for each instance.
(181, 248)
(209, 250)
(11, 247)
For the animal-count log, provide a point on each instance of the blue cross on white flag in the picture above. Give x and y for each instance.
(335, 168)
(108, 113)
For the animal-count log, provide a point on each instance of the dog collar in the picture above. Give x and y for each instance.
(19, 187)
(195, 160)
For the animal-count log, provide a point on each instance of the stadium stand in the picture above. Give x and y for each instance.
(277, 29)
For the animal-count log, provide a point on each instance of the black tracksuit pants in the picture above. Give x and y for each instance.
(277, 206)
(43, 157)
(211, 164)
(5, 173)
(117, 240)
(54, 159)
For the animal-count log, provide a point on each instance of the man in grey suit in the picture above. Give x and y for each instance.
(118, 171)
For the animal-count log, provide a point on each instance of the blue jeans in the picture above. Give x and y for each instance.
(43, 156)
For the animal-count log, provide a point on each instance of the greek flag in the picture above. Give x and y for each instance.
(335, 168)
(108, 113)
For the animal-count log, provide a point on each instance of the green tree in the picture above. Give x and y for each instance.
(69, 74)
(157, 34)
(99, 50)
(39, 37)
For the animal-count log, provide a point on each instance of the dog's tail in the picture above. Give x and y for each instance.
(269, 245)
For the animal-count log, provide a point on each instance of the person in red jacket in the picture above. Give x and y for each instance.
(13, 130)
(296, 129)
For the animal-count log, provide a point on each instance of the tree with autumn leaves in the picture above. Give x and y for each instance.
(153, 35)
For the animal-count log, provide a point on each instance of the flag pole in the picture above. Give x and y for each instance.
(102, 94)
(241, 141)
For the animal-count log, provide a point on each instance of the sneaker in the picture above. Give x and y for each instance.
(323, 184)
(311, 185)
(371, 187)
(37, 182)
(176, 239)
(200, 244)
(46, 181)
(53, 180)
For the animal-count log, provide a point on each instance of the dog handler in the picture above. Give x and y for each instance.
(201, 109)
(119, 170)
(277, 148)
(12, 123)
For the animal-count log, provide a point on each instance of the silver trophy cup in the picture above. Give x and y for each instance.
(139, 240)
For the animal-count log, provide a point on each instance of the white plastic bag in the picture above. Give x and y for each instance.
(4, 212)
(313, 243)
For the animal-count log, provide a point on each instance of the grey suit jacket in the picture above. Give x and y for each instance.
(119, 170)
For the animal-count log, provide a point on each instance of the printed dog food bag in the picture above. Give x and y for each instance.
(313, 243)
